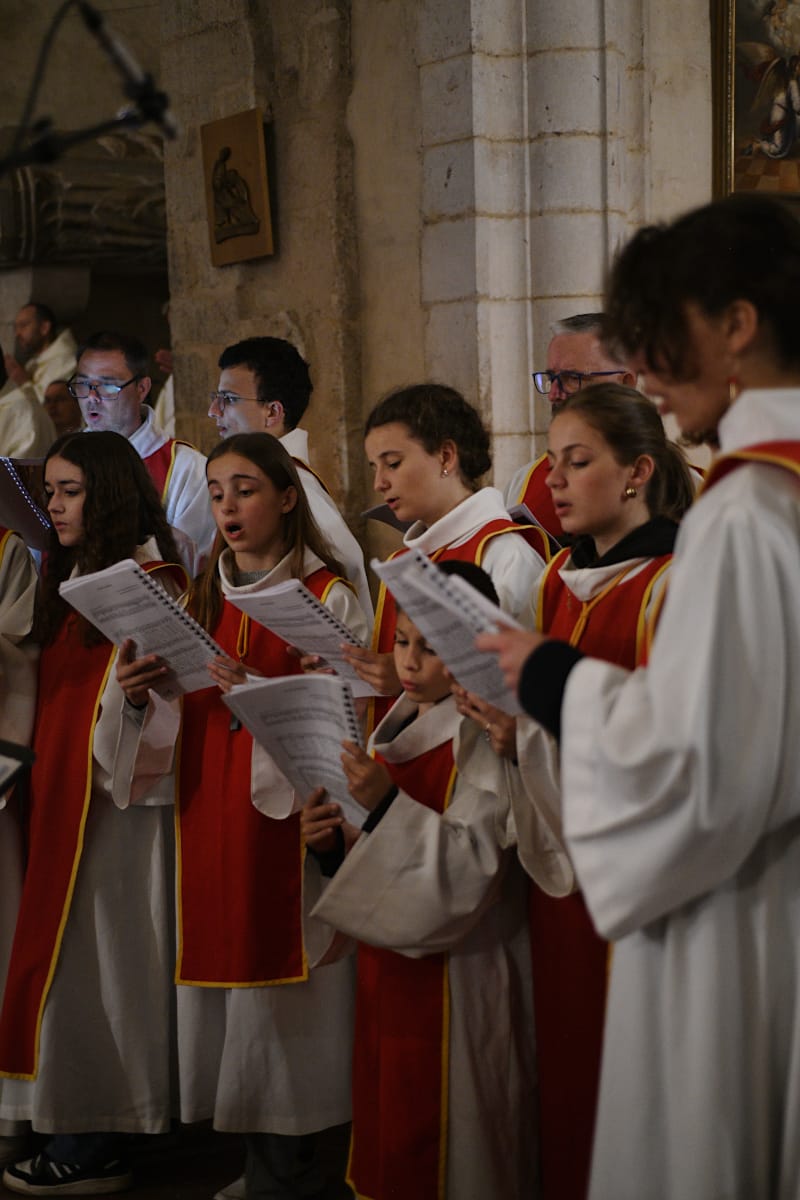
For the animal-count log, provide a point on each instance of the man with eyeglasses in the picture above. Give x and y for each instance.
(111, 383)
(575, 359)
(264, 387)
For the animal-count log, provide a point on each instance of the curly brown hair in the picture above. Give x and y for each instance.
(433, 414)
(120, 512)
(742, 248)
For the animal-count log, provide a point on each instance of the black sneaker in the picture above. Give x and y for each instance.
(41, 1176)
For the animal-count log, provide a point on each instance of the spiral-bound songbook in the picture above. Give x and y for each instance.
(123, 601)
(449, 614)
(295, 614)
(301, 721)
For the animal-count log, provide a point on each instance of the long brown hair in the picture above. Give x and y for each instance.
(300, 530)
(121, 510)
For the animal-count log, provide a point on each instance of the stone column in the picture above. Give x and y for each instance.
(586, 112)
(476, 284)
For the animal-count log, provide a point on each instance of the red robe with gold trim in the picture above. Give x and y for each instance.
(443, 1061)
(86, 1023)
(72, 678)
(234, 862)
(255, 1057)
(537, 497)
(570, 960)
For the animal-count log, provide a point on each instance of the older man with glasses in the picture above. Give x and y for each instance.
(111, 384)
(575, 359)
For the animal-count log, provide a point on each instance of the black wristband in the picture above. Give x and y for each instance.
(543, 681)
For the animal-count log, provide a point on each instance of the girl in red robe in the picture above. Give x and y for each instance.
(85, 1031)
(263, 1038)
(619, 487)
(428, 449)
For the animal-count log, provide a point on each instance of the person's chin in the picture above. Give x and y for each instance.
(691, 438)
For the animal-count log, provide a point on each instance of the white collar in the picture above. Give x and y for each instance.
(149, 437)
(434, 727)
(459, 524)
(295, 442)
(586, 582)
(761, 415)
(279, 573)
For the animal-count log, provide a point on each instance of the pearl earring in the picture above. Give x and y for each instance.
(444, 472)
(630, 492)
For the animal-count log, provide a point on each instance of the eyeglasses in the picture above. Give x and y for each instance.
(224, 400)
(568, 381)
(81, 388)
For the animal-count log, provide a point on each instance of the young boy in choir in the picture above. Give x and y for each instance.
(263, 1037)
(443, 1074)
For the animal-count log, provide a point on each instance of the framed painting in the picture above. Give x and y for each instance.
(237, 188)
(756, 84)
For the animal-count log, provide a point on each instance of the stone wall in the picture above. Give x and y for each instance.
(80, 88)
(293, 63)
(449, 177)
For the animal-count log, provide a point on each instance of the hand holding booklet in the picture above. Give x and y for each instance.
(123, 601)
(450, 614)
(295, 614)
(301, 721)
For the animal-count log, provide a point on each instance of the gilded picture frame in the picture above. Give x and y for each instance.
(756, 92)
(237, 188)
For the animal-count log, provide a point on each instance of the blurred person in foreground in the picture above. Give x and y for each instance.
(681, 782)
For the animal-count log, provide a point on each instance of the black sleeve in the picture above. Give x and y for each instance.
(379, 811)
(543, 680)
(330, 860)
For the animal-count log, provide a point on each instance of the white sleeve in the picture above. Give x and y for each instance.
(187, 505)
(672, 774)
(142, 770)
(340, 537)
(536, 811)
(26, 430)
(421, 880)
(515, 568)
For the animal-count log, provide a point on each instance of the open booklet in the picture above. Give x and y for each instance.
(385, 516)
(295, 614)
(301, 721)
(449, 614)
(523, 516)
(123, 601)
